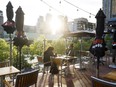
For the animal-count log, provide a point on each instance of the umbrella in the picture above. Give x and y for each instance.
(9, 26)
(9, 11)
(19, 19)
(20, 40)
(114, 47)
(98, 46)
(80, 34)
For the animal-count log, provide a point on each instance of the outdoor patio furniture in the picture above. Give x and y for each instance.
(59, 62)
(98, 82)
(7, 64)
(40, 64)
(25, 79)
(110, 76)
(5, 71)
(72, 61)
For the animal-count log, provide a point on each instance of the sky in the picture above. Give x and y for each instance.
(70, 8)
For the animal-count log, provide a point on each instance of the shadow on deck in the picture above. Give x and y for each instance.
(78, 78)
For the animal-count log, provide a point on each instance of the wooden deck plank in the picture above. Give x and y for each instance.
(80, 78)
(85, 79)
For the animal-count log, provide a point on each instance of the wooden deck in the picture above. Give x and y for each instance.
(78, 78)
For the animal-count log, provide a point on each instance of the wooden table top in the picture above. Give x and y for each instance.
(8, 70)
(111, 75)
(65, 57)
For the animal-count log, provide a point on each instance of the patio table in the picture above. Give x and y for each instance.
(110, 76)
(7, 71)
(67, 60)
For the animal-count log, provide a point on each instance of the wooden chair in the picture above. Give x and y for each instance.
(59, 62)
(41, 63)
(97, 82)
(72, 61)
(26, 79)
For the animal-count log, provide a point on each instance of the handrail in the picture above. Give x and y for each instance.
(102, 81)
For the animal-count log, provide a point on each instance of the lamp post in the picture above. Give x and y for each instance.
(9, 26)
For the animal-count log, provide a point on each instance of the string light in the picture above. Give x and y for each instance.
(51, 7)
(60, 2)
(90, 15)
(78, 7)
(54, 9)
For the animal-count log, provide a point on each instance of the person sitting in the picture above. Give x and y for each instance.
(70, 51)
(47, 54)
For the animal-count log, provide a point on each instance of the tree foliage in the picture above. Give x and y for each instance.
(4, 50)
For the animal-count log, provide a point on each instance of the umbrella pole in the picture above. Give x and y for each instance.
(66, 46)
(97, 68)
(17, 58)
(80, 53)
(10, 50)
(20, 58)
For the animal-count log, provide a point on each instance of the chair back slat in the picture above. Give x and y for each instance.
(27, 79)
(97, 82)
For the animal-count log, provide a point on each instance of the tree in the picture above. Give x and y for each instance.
(4, 50)
(59, 46)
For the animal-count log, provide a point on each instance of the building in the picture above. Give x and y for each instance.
(1, 22)
(30, 32)
(48, 26)
(109, 8)
(40, 26)
(80, 24)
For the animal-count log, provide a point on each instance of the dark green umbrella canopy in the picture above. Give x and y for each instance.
(9, 25)
(100, 16)
(80, 34)
(19, 19)
(9, 11)
(98, 46)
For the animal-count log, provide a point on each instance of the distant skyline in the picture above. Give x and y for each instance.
(35, 8)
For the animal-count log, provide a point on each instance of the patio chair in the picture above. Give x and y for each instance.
(59, 62)
(40, 64)
(98, 82)
(72, 61)
(26, 79)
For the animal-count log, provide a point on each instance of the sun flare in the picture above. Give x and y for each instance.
(55, 24)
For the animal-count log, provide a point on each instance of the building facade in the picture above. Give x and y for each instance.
(1, 22)
(109, 8)
(81, 24)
